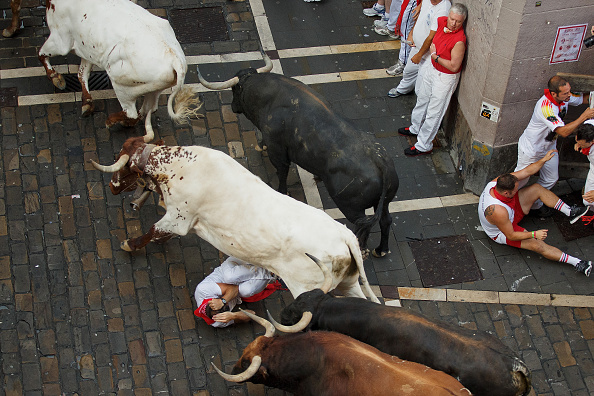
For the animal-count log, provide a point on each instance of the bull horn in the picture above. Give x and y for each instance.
(267, 64)
(219, 85)
(149, 134)
(112, 168)
(327, 275)
(261, 321)
(246, 375)
(296, 328)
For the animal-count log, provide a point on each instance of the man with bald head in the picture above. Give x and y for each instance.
(540, 135)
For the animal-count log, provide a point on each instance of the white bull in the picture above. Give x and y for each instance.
(138, 50)
(208, 192)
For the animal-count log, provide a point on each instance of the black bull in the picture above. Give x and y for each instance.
(298, 126)
(481, 362)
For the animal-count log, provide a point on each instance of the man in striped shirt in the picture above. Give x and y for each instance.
(540, 135)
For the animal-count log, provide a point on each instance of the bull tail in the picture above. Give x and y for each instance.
(521, 377)
(356, 255)
(187, 103)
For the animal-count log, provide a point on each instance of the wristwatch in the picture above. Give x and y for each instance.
(223, 301)
(436, 59)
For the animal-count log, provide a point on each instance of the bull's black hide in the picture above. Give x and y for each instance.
(298, 126)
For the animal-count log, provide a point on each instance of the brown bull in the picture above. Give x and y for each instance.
(324, 363)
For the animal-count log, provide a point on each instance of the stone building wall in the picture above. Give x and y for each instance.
(507, 65)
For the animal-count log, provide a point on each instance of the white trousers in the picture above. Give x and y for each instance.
(433, 97)
(547, 176)
(394, 11)
(412, 73)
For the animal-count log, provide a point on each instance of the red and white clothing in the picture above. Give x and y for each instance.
(427, 21)
(590, 178)
(436, 89)
(514, 211)
(532, 146)
(250, 279)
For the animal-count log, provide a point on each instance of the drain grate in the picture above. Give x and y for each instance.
(199, 25)
(445, 261)
(8, 97)
(98, 81)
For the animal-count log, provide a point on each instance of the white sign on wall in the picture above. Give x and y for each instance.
(490, 112)
(568, 43)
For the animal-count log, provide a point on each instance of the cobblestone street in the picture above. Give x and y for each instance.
(80, 316)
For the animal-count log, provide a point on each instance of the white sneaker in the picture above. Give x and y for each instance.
(376, 10)
(396, 70)
(383, 31)
(380, 23)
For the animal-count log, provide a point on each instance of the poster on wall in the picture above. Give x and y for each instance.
(568, 43)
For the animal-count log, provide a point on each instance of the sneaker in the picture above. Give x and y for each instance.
(543, 211)
(584, 266)
(413, 152)
(385, 32)
(395, 70)
(577, 212)
(376, 10)
(405, 131)
(393, 93)
(380, 23)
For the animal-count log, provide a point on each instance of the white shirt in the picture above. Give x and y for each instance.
(233, 271)
(427, 20)
(545, 118)
(487, 200)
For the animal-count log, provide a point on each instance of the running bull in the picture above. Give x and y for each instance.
(138, 50)
(208, 192)
(480, 361)
(298, 126)
(327, 363)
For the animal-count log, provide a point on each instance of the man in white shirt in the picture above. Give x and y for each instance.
(502, 205)
(420, 37)
(540, 135)
(226, 286)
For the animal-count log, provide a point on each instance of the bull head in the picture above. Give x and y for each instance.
(218, 86)
(128, 170)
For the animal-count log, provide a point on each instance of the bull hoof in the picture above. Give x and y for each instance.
(380, 254)
(58, 81)
(8, 32)
(126, 247)
(87, 109)
(365, 253)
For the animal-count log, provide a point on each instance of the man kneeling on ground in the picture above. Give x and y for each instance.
(502, 205)
(229, 284)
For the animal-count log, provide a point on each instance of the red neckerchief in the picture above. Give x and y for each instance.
(586, 151)
(201, 311)
(550, 97)
(500, 197)
(399, 20)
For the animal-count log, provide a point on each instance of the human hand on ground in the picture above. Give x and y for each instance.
(541, 234)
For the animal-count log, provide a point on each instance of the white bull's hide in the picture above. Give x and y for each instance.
(207, 191)
(138, 50)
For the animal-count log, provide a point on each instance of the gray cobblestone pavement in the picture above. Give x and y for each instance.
(80, 316)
